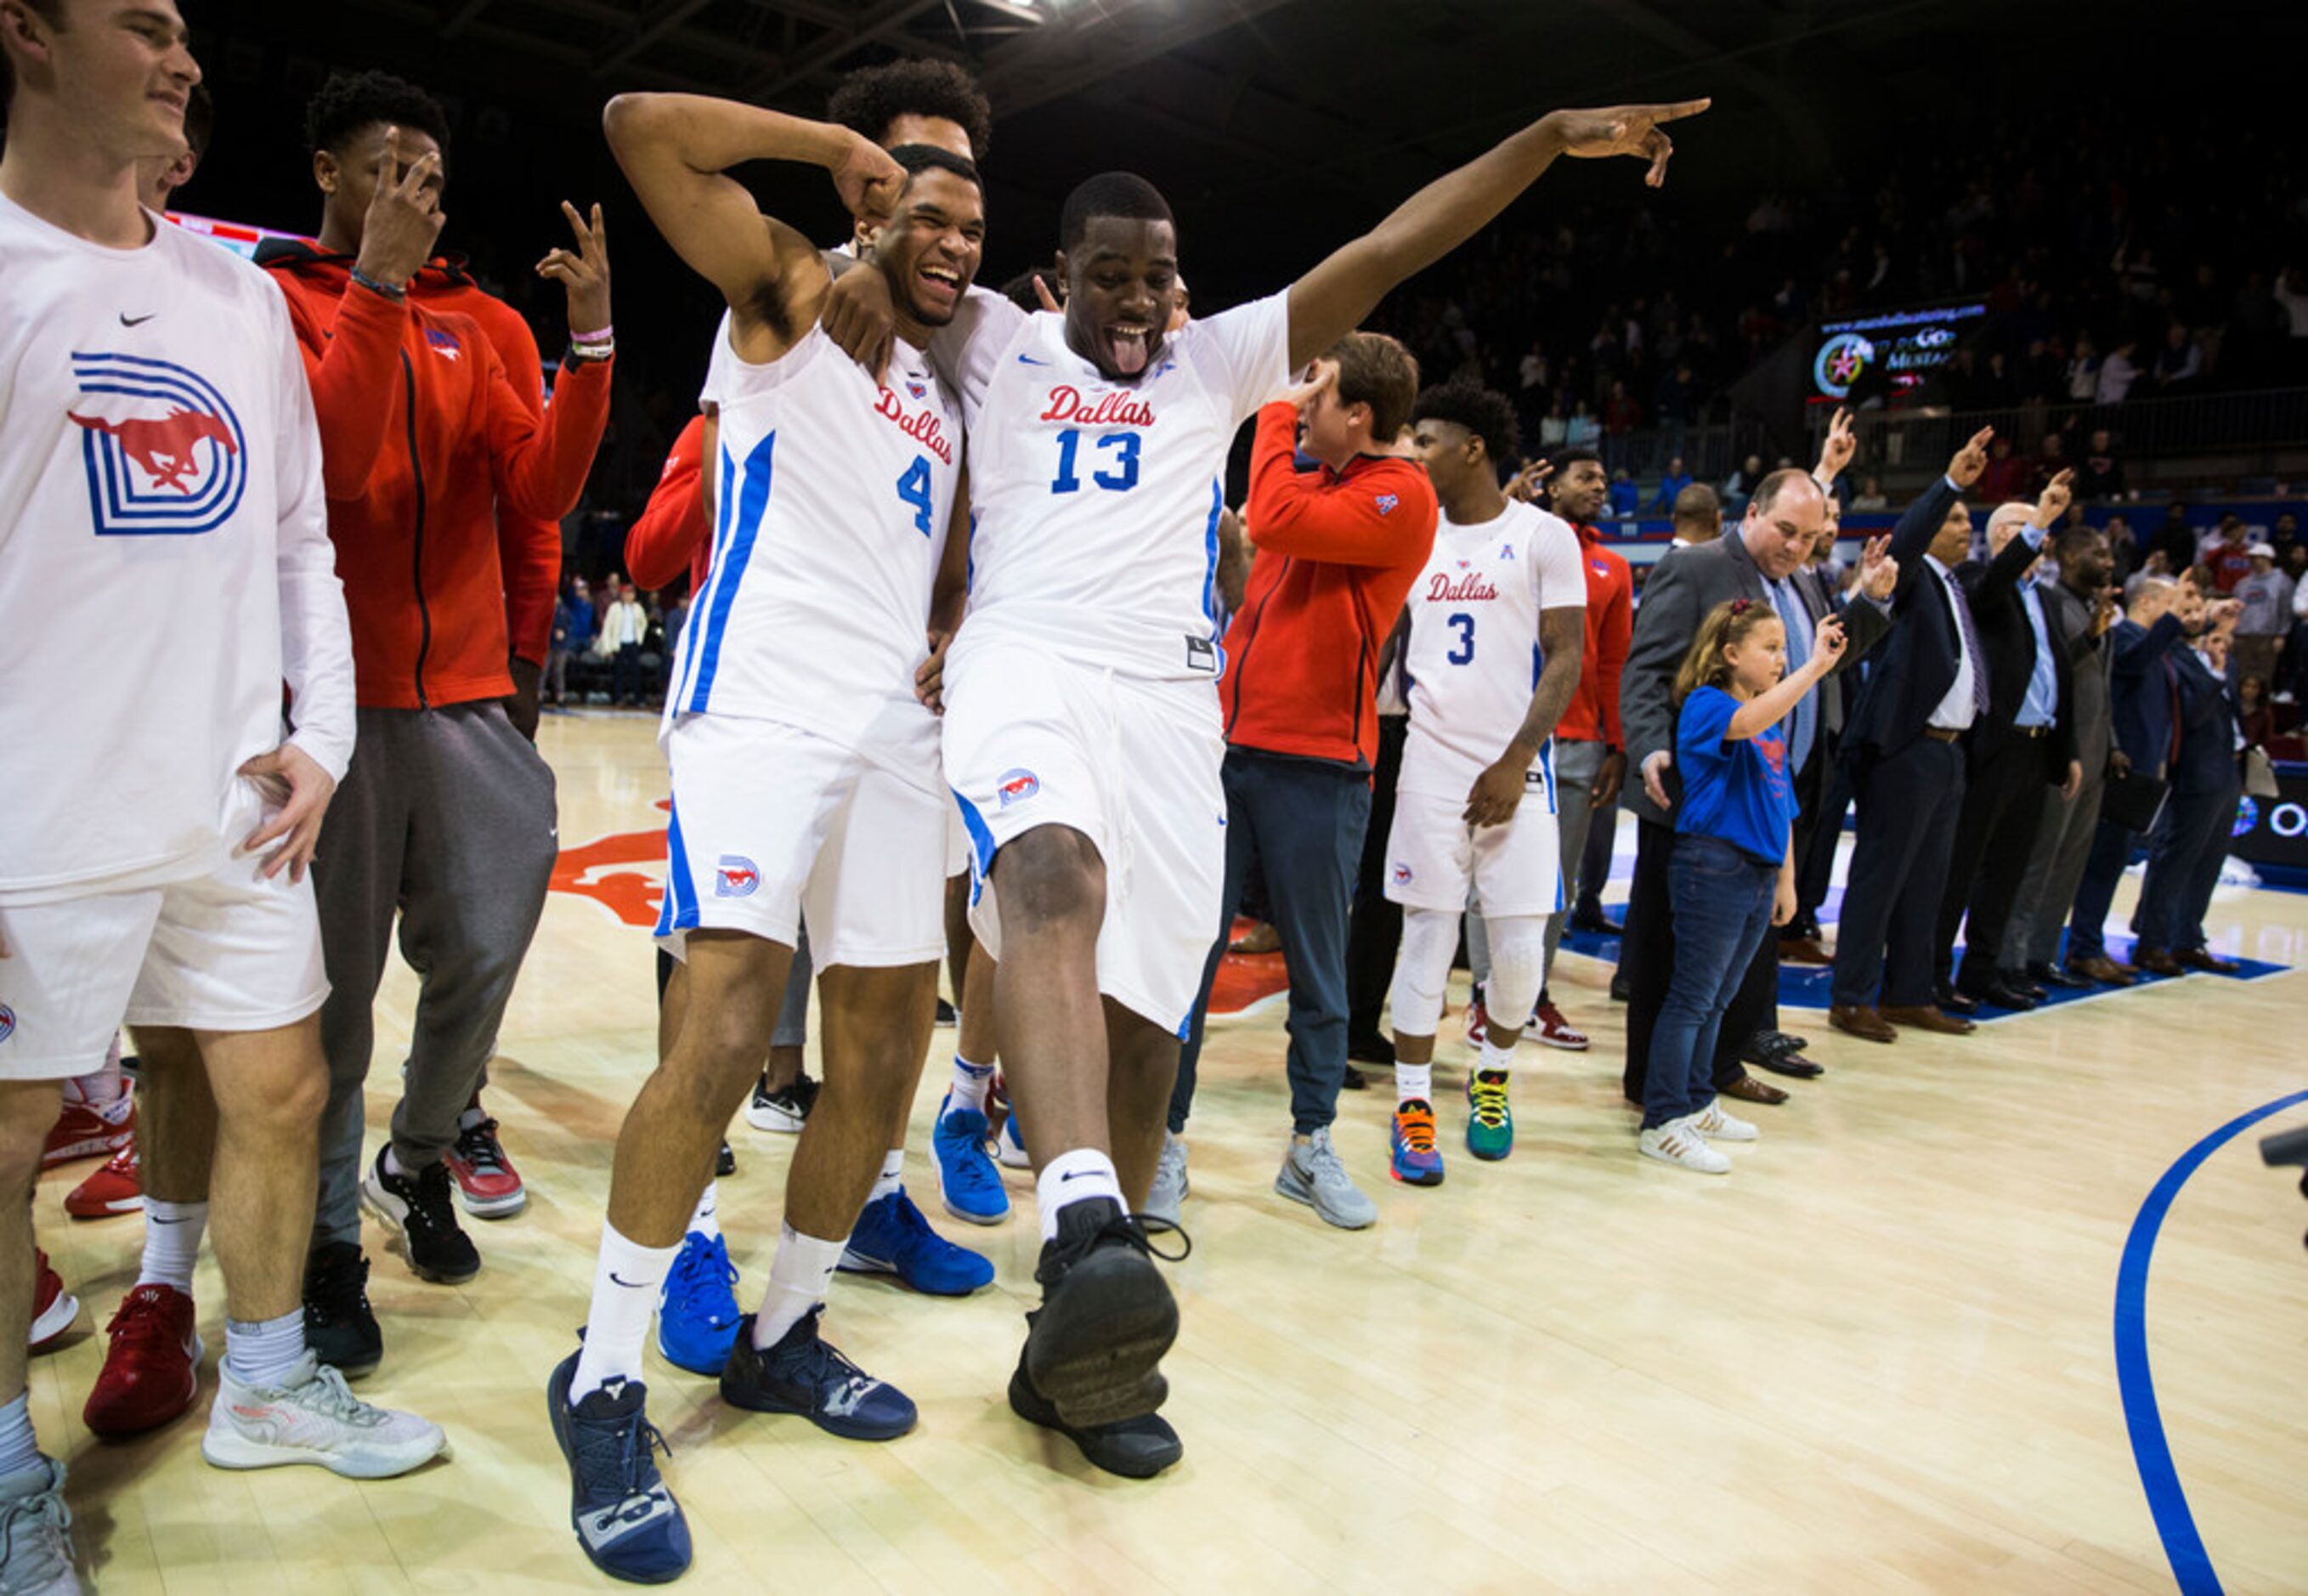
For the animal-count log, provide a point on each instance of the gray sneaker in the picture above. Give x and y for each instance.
(1170, 1186)
(1313, 1173)
(36, 1550)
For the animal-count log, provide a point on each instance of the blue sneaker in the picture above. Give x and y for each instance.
(625, 1519)
(1490, 1127)
(1417, 1162)
(802, 1373)
(893, 1238)
(967, 1180)
(697, 1315)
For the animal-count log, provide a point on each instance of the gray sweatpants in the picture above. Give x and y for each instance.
(445, 816)
(2056, 869)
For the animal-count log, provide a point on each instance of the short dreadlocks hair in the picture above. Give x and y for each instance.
(871, 99)
(1481, 411)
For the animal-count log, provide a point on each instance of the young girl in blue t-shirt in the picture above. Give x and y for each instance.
(1732, 874)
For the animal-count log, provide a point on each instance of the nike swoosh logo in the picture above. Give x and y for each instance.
(1029, 360)
(135, 320)
(629, 1285)
(1069, 1174)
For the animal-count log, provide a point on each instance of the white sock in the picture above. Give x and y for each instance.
(1069, 1178)
(892, 1178)
(969, 1083)
(800, 1275)
(627, 1280)
(263, 1354)
(707, 1221)
(172, 1243)
(391, 1164)
(19, 1449)
(1495, 1057)
(472, 1117)
(1414, 1081)
(101, 1087)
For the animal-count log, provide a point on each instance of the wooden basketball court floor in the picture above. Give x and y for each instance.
(1880, 1356)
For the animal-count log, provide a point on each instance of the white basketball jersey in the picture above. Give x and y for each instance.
(164, 556)
(1473, 654)
(1097, 503)
(831, 499)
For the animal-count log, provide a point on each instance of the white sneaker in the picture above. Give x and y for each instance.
(1675, 1142)
(1170, 1185)
(1717, 1126)
(1009, 1152)
(313, 1417)
(35, 1548)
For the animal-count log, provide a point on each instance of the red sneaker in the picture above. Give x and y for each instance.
(1479, 1020)
(153, 1368)
(119, 1187)
(1547, 1025)
(53, 1308)
(487, 1183)
(84, 1130)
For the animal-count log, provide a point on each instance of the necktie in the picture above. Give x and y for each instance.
(1796, 619)
(1970, 646)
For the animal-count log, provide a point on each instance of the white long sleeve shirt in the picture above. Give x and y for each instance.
(164, 564)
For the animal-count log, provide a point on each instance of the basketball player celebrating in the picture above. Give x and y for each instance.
(162, 530)
(1476, 804)
(805, 777)
(1081, 731)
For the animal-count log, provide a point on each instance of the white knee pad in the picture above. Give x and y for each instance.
(1422, 968)
(1518, 966)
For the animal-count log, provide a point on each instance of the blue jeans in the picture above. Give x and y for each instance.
(1722, 901)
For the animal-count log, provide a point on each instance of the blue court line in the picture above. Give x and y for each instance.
(2183, 1547)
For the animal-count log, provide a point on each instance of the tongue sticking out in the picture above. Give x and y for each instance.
(1129, 348)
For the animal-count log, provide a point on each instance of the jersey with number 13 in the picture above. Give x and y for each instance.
(831, 500)
(1473, 654)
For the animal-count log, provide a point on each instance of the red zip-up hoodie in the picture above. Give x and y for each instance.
(1337, 553)
(1592, 715)
(422, 436)
(671, 532)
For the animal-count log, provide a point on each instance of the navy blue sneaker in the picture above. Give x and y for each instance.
(967, 1180)
(625, 1518)
(697, 1315)
(803, 1375)
(893, 1238)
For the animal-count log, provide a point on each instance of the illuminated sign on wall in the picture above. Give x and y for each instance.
(1906, 345)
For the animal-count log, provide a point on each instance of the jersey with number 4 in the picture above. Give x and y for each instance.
(831, 499)
(1473, 654)
(1097, 503)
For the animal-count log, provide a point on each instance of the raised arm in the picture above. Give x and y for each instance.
(1332, 299)
(677, 150)
(1911, 540)
(1760, 713)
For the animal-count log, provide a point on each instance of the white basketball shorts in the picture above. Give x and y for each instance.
(228, 950)
(1033, 739)
(772, 824)
(1432, 855)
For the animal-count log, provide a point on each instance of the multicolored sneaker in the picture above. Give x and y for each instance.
(487, 1184)
(152, 1365)
(1417, 1162)
(119, 1187)
(804, 1374)
(1489, 1127)
(893, 1238)
(90, 1130)
(625, 1518)
(967, 1182)
(53, 1308)
(697, 1312)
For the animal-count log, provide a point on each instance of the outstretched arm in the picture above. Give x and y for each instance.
(1332, 299)
(677, 149)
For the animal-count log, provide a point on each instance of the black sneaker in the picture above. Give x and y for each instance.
(1136, 1448)
(1373, 1048)
(420, 1207)
(625, 1518)
(725, 1163)
(1107, 1318)
(340, 1325)
(805, 1375)
(948, 1016)
(785, 1109)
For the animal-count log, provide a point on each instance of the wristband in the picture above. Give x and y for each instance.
(394, 294)
(581, 354)
(607, 335)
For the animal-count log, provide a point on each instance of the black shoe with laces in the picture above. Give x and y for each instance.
(422, 1209)
(725, 1163)
(1095, 1349)
(804, 1374)
(625, 1519)
(340, 1325)
(1135, 1448)
(785, 1109)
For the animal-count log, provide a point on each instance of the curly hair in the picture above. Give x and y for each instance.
(1480, 411)
(872, 98)
(350, 101)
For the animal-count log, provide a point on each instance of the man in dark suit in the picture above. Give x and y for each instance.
(2024, 743)
(1927, 685)
(2192, 836)
(1822, 789)
(2141, 690)
(1752, 561)
(2079, 609)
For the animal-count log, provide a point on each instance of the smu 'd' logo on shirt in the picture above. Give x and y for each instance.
(7, 1021)
(164, 454)
(735, 877)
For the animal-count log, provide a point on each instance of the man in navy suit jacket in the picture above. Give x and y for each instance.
(1925, 689)
(2192, 836)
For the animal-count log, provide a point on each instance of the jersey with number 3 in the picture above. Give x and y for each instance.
(1473, 654)
(1096, 502)
(831, 500)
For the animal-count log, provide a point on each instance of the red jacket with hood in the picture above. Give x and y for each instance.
(423, 435)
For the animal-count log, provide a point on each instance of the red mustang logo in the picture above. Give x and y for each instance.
(164, 448)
